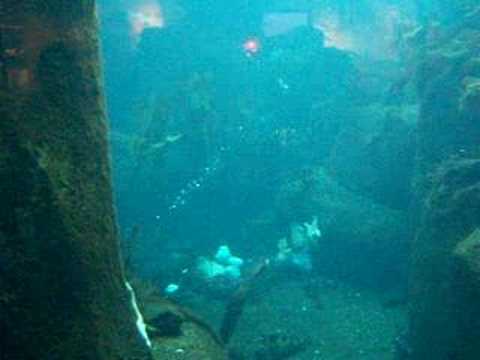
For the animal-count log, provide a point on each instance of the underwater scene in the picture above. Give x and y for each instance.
(239, 180)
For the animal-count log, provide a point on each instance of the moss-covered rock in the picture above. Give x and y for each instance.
(444, 286)
(377, 160)
(350, 224)
(447, 82)
(63, 293)
(190, 338)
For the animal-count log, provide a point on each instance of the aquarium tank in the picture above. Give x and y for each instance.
(239, 180)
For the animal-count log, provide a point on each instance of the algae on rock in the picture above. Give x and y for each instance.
(63, 294)
(444, 291)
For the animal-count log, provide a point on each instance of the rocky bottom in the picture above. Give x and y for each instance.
(310, 319)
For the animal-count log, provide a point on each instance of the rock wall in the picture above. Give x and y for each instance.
(62, 292)
(444, 284)
(444, 288)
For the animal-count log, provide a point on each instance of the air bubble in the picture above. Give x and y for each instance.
(182, 197)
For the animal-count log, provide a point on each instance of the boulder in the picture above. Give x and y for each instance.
(362, 241)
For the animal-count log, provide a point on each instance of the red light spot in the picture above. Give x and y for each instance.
(251, 46)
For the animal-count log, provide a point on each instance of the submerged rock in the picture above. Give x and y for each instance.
(279, 346)
(445, 282)
(351, 225)
(377, 161)
(177, 333)
(166, 324)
